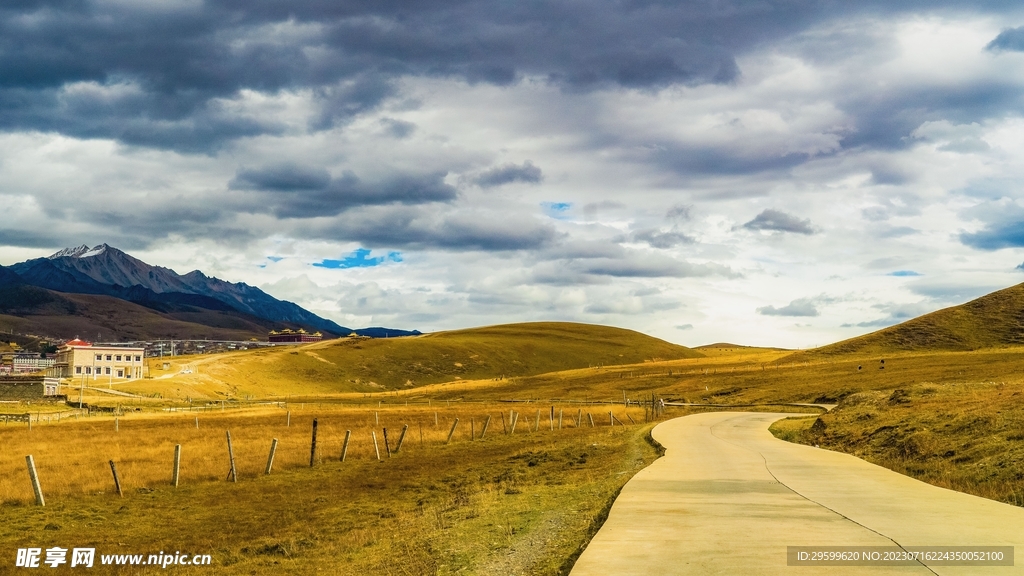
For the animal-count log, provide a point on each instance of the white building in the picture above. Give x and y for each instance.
(31, 362)
(80, 359)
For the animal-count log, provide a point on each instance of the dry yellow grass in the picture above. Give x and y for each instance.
(72, 456)
(524, 502)
(521, 503)
(966, 436)
(362, 365)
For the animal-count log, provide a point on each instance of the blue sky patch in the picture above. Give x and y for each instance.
(272, 259)
(359, 258)
(904, 273)
(557, 210)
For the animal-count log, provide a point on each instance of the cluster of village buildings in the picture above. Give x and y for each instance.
(78, 362)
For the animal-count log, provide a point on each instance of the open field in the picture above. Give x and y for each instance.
(363, 365)
(521, 503)
(511, 503)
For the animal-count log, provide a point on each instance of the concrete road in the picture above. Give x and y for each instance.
(728, 498)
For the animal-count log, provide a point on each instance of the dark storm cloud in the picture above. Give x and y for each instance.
(29, 238)
(996, 236)
(295, 191)
(778, 221)
(630, 264)
(679, 212)
(885, 119)
(658, 239)
(283, 177)
(157, 73)
(509, 173)
(689, 159)
(417, 228)
(1009, 39)
(646, 268)
(398, 128)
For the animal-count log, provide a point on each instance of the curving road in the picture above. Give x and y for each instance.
(728, 498)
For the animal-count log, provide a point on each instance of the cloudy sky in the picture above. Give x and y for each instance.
(775, 172)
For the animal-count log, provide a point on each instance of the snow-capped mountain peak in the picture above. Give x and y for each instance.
(104, 269)
(95, 251)
(82, 251)
(70, 252)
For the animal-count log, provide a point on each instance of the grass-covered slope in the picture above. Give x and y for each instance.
(362, 364)
(994, 320)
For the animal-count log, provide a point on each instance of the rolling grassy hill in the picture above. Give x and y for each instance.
(992, 321)
(366, 365)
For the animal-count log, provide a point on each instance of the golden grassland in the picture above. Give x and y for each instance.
(966, 436)
(954, 419)
(991, 321)
(522, 503)
(364, 365)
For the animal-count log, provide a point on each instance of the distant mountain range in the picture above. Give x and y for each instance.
(196, 298)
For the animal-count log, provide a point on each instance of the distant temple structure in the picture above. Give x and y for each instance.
(293, 336)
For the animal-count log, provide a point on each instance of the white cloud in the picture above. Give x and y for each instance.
(886, 139)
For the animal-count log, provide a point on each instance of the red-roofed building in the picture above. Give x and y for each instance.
(80, 359)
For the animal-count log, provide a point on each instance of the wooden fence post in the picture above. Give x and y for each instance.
(177, 465)
(270, 459)
(35, 480)
(551, 418)
(504, 429)
(452, 431)
(197, 422)
(486, 423)
(591, 418)
(472, 429)
(401, 438)
(233, 474)
(288, 421)
(435, 419)
(536, 425)
(375, 447)
(117, 425)
(560, 410)
(515, 419)
(579, 418)
(611, 419)
(387, 445)
(312, 446)
(117, 481)
(344, 446)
